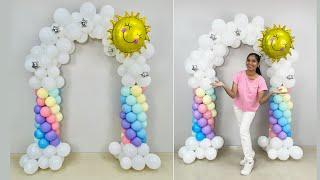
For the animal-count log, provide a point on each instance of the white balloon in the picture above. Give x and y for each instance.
(53, 71)
(43, 162)
(192, 143)
(218, 61)
(211, 153)
(205, 42)
(49, 151)
(33, 151)
(149, 51)
(73, 31)
(228, 38)
(36, 50)
(219, 49)
(59, 81)
(107, 11)
(23, 160)
(217, 142)
(143, 150)
(276, 143)
(63, 58)
(138, 163)
(241, 20)
(52, 51)
(189, 157)
(97, 32)
(34, 82)
(114, 148)
(218, 26)
(200, 153)
(283, 154)
(31, 166)
(258, 21)
(272, 154)
(125, 163)
(83, 38)
(181, 151)
(48, 83)
(130, 150)
(45, 61)
(64, 45)
(153, 161)
(288, 142)
(296, 152)
(236, 43)
(88, 10)
(47, 36)
(144, 81)
(63, 149)
(62, 16)
(263, 141)
(127, 80)
(192, 82)
(205, 83)
(55, 162)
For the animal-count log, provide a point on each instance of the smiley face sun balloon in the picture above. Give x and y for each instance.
(276, 42)
(129, 33)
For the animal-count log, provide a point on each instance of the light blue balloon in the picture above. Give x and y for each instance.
(194, 120)
(287, 128)
(213, 97)
(282, 121)
(137, 108)
(131, 100)
(43, 143)
(144, 124)
(54, 92)
(289, 120)
(125, 91)
(277, 114)
(283, 106)
(277, 99)
(210, 91)
(142, 134)
(126, 108)
(273, 106)
(136, 126)
(131, 117)
(287, 114)
(58, 99)
(36, 125)
(142, 116)
(122, 99)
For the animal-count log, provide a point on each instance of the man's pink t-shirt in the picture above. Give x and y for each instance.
(247, 96)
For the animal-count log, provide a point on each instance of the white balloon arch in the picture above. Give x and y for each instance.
(201, 64)
(45, 61)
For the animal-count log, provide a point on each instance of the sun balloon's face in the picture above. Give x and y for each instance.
(276, 42)
(129, 33)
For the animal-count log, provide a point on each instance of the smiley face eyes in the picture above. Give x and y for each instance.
(128, 25)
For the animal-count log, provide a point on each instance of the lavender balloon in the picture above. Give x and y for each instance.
(122, 115)
(125, 124)
(202, 122)
(37, 109)
(210, 135)
(272, 120)
(197, 114)
(55, 142)
(282, 135)
(39, 119)
(45, 127)
(51, 135)
(195, 106)
(206, 129)
(130, 134)
(136, 142)
(276, 128)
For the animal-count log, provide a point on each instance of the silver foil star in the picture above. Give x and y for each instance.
(145, 74)
(35, 65)
(238, 31)
(55, 29)
(194, 68)
(213, 37)
(289, 77)
(84, 22)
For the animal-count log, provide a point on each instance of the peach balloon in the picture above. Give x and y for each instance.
(55, 126)
(51, 119)
(45, 111)
(40, 102)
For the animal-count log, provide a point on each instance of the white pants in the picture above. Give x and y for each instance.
(244, 121)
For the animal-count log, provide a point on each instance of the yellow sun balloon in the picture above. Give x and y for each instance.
(129, 33)
(276, 42)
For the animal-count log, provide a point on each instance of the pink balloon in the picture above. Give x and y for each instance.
(58, 132)
(124, 140)
(207, 115)
(202, 108)
(210, 121)
(45, 111)
(143, 89)
(271, 134)
(51, 119)
(40, 102)
(55, 126)
(198, 99)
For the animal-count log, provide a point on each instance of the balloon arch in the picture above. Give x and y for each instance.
(275, 45)
(124, 37)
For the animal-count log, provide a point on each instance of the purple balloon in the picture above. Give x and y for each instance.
(270, 112)
(197, 114)
(282, 135)
(39, 119)
(272, 120)
(276, 128)
(195, 106)
(51, 135)
(37, 109)
(130, 134)
(122, 115)
(202, 122)
(45, 127)
(210, 135)
(125, 124)
(206, 130)
(136, 142)
(55, 142)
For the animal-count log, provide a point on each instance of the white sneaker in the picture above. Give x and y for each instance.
(243, 162)
(248, 166)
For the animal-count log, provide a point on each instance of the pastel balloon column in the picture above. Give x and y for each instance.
(47, 151)
(279, 144)
(204, 142)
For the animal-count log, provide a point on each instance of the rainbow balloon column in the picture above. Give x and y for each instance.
(133, 150)
(47, 151)
(280, 142)
(204, 142)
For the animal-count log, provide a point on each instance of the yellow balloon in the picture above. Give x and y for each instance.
(50, 101)
(276, 42)
(136, 91)
(207, 99)
(129, 33)
(42, 93)
(59, 116)
(55, 109)
(141, 99)
(286, 97)
(214, 113)
(211, 106)
(200, 92)
(290, 104)
(145, 106)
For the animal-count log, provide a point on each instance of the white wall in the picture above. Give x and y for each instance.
(193, 18)
(91, 96)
